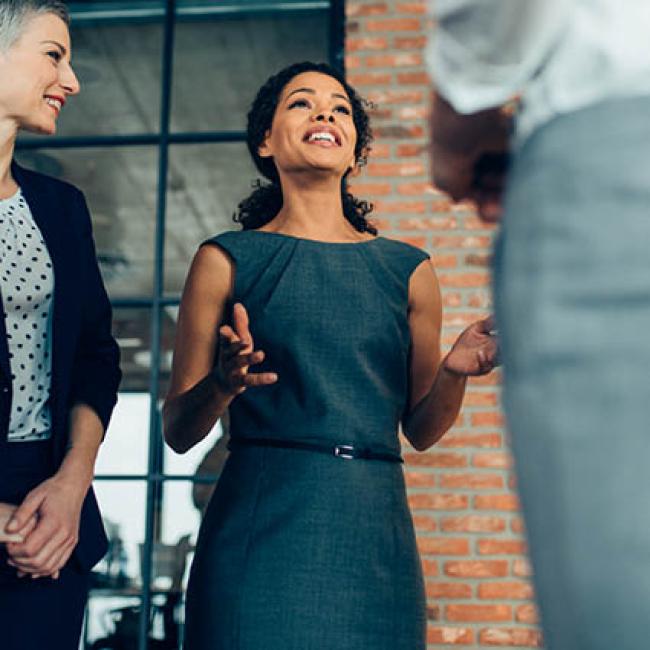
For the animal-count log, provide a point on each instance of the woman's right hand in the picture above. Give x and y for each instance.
(236, 354)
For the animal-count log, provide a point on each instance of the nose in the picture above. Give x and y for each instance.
(325, 116)
(69, 80)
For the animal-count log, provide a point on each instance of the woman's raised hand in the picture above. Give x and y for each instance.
(236, 354)
(476, 350)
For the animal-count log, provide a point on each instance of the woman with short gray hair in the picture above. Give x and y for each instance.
(58, 361)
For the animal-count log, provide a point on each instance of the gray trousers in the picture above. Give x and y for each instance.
(572, 287)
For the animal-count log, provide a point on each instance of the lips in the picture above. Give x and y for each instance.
(55, 101)
(324, 134)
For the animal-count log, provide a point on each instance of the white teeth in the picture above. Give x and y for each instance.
(322, 136)
(53, 102)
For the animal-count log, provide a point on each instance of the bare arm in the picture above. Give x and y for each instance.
(438, 385)
(201, 391)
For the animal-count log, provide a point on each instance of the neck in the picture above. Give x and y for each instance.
(313, 208)
(8, 134)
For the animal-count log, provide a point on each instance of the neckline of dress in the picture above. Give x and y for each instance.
(14, 197)
(348, 244)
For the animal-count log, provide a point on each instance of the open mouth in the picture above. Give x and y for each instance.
(54, 102)
(323, 136)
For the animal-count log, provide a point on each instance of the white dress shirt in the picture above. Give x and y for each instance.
(558, 55)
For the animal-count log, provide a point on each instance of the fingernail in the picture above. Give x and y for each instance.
(12, 526)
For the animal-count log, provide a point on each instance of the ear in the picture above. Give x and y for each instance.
(353, 170)
(264, 150)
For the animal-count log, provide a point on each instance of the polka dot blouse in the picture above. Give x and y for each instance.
(26, 287)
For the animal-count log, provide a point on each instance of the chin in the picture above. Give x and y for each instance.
(40, 129)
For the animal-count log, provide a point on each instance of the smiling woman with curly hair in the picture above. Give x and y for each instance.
(308, 543)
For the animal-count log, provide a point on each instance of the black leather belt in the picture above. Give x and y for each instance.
(347, 452)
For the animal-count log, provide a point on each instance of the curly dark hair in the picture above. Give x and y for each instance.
(266, 199)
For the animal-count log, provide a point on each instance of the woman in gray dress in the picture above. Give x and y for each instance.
(308, 543)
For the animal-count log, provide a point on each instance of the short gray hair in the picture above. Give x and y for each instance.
(15, 13)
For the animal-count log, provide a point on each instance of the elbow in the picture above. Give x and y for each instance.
(170, 432)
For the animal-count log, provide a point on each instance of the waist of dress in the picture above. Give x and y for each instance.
(339, 450)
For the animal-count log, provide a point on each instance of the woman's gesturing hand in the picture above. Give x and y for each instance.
(236, 354)
(476, 350)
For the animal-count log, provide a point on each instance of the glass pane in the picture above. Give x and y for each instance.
(120, 187)
(204, 459)
(219, 65)
(122, 504)
(124, 450)
(206, 182)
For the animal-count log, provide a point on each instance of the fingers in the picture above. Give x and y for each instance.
(241, 324)
(22, 515)
(47, 559)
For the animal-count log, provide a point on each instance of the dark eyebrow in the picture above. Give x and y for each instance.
(311, 91)
(63, 50)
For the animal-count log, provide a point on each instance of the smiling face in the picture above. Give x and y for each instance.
(312, 127)
(35, 75)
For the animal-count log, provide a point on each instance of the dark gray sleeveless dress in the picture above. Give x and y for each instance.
(300, 550)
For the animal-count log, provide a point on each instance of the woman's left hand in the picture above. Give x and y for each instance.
(56, 504)
(476, 350)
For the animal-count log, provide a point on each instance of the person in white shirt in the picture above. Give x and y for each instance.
(569, 178)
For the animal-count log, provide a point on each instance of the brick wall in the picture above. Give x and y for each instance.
(462, 492)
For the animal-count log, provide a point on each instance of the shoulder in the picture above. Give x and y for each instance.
(36, 182)
(404, 258)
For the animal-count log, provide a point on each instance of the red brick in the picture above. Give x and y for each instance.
(410, 42)
(451, 299)
(476, 259)
(413, 112)
(388, 96)
(414, 78)
(493, 379)
(425, 523)
(369, 79)
(487, 418)
(522, 568)
(379, 151)
(513, 637)
(448, 635)
(425, 501)
(502, 547)
(518, 526)
(394, 25)
(397, 207)
(445, 261)
(352, 62)
(379, 113)
(440, 204)
(399, 131)
(464, 280)
(458, 241)
(471, 481)
(482, 440)
(527, 614)
(418, 242)
(474, 398)
(415, 188)
(412, 8)
(410, 150)
(401, 60)
(433, 459)
(359, 9)
(476, 568)
(448, 590)
(432, 223)
(494, 460)
(429, 567)
(443, 546)
(473, 524)
(366, 43)
(370, 189)
(472, 222)
(480, 300)
(395, 169)
(433, 612)
(505, 591)
(420, 479)
(496, 502)
(478, 613)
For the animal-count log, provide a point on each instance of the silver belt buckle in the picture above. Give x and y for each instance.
(344, 451)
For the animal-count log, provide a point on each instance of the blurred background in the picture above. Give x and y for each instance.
(156, 141)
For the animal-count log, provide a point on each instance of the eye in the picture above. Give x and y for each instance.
(55, 55)
(300, 103)
(341, 108)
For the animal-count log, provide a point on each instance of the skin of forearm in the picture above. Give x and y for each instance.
(86, 433)
(189, 417)
(437, 411)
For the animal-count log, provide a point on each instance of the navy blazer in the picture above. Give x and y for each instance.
(85, 356)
